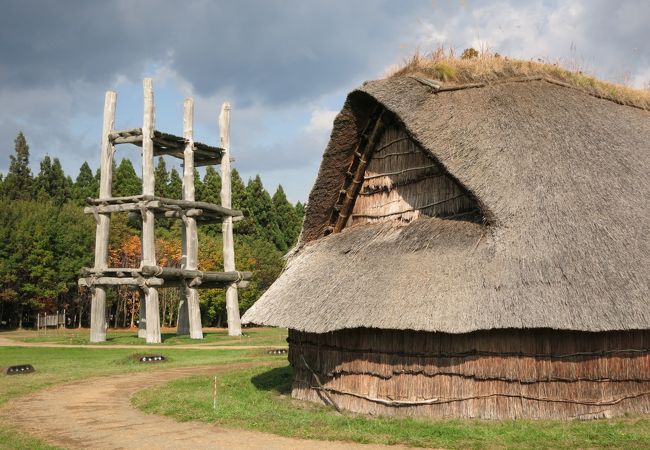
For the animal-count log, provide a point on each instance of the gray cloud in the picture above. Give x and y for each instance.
(57, 58)
(274, 50)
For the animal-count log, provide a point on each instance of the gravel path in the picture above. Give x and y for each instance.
(96, 413)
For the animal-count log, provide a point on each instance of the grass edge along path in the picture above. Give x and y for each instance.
(16, 440)
(55, 366)
(259, 336)
(259, 399)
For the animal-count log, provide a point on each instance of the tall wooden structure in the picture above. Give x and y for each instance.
(149, 277)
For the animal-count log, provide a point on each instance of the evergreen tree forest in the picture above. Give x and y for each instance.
(45, 239)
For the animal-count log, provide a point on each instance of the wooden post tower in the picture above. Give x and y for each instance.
(149, 277)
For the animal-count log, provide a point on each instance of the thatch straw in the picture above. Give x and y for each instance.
(562, 180)
(489, 67)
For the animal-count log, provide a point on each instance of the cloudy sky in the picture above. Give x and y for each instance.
(285, 66)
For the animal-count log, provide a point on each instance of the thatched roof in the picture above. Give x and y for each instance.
(563, 178)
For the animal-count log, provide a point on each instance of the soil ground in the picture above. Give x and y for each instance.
(96, 413)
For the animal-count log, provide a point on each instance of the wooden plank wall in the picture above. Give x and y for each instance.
(499, 374)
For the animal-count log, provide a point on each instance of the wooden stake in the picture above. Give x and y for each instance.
(148, 230)
(98, 303)
(190, 236)
(214, 393)
(232, 302)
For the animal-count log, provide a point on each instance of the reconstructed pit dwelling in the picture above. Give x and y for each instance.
(474, 251)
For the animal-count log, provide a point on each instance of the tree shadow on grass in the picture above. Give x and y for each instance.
(278, 380)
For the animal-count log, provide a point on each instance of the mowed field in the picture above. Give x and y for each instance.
(68, 363)
(211, 336)
(258, 397)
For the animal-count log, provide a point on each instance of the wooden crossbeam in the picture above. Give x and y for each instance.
(139, 202)
(155, 276)
(166, 144)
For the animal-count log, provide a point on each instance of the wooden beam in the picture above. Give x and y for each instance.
(98, 302)
(181, 273)
(232, 301)
(128, 140)
(121, 281)
(124, 207)
(167, 201)
(223, 210)
(148, 217)
(124, 133)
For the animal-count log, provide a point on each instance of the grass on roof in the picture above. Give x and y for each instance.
(445, 66)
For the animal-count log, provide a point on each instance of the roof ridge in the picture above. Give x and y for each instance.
(438, 87)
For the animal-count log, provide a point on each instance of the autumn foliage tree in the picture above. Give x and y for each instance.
(45, 238)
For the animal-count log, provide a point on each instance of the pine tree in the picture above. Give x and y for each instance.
(300, 210)
(238, 190)
(51, 182)
(73, 243)
(19, 181)
(239, 200)
(125, 181)
(212, 186)
(60, 185)
(199, 188)
(287, 218)
(41, 185)
(175, 188)
(85, 186)
(261, 210)
(162, 178)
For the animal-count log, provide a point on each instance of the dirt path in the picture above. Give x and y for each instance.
(96, 413)
(6, 342)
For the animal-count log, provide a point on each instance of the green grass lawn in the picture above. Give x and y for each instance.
(61, 365)
(216, 336)
(10, 439)
(259, 399)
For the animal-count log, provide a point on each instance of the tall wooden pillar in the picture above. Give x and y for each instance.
(232, 302)
(142, 317)
(98, 304)
(148, 225)
(190, 235)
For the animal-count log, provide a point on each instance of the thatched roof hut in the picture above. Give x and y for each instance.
(477, 250)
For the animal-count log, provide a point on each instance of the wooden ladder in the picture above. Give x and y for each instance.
(354, 176)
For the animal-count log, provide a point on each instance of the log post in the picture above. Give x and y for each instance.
(98, 303)
(232, 302)
(183, 320)
(190, 236)
(142, 316)
(148, 230)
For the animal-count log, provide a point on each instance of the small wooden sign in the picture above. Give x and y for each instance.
(20, 369)
(277, 351)
(152, 358)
